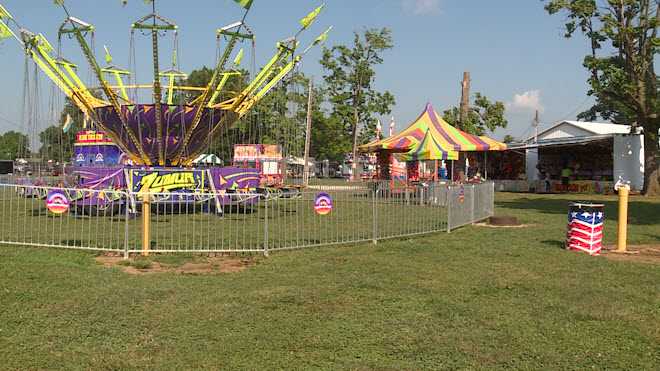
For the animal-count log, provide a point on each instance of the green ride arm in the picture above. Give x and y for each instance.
(221, 85)
(110, 94)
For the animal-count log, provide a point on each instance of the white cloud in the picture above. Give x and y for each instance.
(528, 101)
(421, 7)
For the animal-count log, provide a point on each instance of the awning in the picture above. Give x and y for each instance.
(208, 159)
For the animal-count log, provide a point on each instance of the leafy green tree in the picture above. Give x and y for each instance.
(508, 139)
(279, 118)
(14, 145)
(483, 116)
(623, 37)
(350, 78)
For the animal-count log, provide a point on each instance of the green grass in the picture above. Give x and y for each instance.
(474, 298)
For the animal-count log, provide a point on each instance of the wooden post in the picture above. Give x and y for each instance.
(465, 98)
(308, 134)
(536, 127)
(146, 224)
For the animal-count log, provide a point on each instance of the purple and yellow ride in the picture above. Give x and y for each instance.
(150, 146)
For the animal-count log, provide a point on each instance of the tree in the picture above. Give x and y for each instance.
(483, 115)
(350, 77)
(624, 42)
(508, 139)
(279, 118)
(14, 145)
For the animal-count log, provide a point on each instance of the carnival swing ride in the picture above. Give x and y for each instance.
(158, 140)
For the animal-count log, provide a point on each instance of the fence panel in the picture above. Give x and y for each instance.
(200, 222)
(294, 223)
(85, 219)
(469, 203)
(412, 210)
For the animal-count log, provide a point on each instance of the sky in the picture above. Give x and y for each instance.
(514, 51)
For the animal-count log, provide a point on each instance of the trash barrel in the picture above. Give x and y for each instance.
(585, 227)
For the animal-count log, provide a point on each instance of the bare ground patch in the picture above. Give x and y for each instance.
(197, 266)
(484, 224)
(636, 253)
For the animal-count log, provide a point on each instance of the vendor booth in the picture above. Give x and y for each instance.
(580, 157)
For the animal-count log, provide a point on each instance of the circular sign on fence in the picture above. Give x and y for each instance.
(323, 203)
(57, 202)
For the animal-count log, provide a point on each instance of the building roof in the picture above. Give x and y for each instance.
(600, 128)
(579, 129)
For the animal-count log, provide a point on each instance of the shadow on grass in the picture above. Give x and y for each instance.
(640, 213)
(554, 244)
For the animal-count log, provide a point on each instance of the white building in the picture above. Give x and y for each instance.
(596, 152)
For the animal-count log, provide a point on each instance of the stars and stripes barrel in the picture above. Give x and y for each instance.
(585, 228)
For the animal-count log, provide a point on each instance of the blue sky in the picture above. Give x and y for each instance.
(514, 51)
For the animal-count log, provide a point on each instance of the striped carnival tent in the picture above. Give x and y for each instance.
(428, 149)
(432, 138)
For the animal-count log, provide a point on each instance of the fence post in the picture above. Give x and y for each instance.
(491, 202)
(146, 223)
(474, 195)
(448, 203)
(374, 216)
(126, 230)
(266, 226)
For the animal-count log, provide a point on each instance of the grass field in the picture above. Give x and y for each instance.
(474, 298)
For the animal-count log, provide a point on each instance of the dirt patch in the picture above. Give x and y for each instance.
(502, 226)
(637, 253)
(200, 265)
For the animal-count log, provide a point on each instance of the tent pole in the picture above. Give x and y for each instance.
(452, 171)
(435, 171)
(485, 165)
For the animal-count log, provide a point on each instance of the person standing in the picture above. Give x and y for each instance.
(566, 173)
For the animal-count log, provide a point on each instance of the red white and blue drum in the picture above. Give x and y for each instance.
(585, 228)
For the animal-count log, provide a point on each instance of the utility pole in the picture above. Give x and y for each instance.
(465, 98)
(536, 127)
(356, 118)
(308, 134)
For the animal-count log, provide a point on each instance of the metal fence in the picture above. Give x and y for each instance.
(236, 222)
(469, 203)
(26, 220)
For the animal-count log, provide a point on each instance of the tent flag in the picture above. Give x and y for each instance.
(322, 37)
(244, 3)
(67, 123)
(5, 32)
(108, 56)
(239, 58)
(4, 14)
(309, 18)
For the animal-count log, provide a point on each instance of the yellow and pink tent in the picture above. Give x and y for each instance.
(432, 138)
